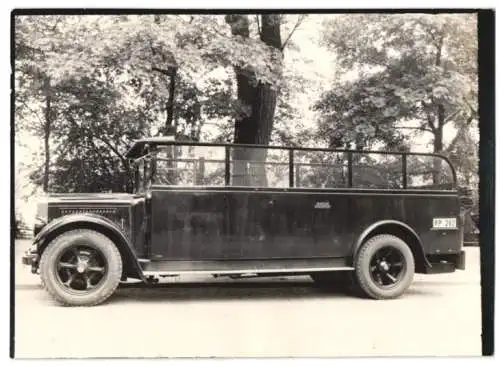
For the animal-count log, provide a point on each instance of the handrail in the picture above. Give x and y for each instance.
(290, 160)
(275, 147)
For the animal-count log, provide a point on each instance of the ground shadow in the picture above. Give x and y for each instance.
(231, 291)
(223, 291)
(241, 291)
(445, 283)
(29, 286)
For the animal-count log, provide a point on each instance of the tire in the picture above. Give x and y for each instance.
(384, 267)
(81, 268)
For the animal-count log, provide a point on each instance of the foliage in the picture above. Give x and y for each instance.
(17, 228)
(108, 81)
(361, 113)
(400, 73)
(20, 230)
(89, 85)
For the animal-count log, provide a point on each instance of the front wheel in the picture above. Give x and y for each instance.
(384, 267)
(81, 268)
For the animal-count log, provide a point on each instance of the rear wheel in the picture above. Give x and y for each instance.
(81, 268)
(384, 267)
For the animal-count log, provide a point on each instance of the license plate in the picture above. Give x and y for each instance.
(444, 223)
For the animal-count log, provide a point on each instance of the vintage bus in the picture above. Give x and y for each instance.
(367, 220)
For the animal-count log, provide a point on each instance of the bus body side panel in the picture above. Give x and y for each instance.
(187, 225)
(415, 210)
(421, 210)
(272, 225)
(252, 224)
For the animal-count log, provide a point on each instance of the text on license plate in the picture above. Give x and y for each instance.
(444, 223)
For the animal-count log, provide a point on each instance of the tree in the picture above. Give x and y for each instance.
(416, 72)
(360, 114)
(257, 97)
(127, 76)
(34, 86)
(96, 132)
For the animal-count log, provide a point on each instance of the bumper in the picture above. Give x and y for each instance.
(460, 261)
(30, 258)
(447, 263)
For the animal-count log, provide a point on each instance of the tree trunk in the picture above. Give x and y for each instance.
(46, 132)
(260, 100)
(169, 124)
(170, 72)
(437, 172)
(438, 131)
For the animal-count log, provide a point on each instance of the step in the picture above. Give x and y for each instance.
(179, 267)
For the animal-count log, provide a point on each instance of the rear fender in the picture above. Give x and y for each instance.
(400, 230)
(101, 224)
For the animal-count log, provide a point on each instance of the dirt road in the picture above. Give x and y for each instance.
(440, 315)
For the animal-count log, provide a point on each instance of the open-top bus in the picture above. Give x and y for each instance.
(368, 219)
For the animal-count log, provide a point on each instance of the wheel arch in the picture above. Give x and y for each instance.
(131, 267)
(402, 231)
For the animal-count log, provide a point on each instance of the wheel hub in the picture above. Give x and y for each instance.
(81, 267)
(387, 267)
(384, 266)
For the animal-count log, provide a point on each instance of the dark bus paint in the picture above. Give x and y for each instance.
(214, 224)
(236, 225)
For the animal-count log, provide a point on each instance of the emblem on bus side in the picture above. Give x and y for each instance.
(323, 205)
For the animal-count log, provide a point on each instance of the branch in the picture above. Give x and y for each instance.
(258, 24)
(460, 132)
(191, 18)
(299, 21)
(114, 149)
(106, 142)
(62, 153)
(55, 25)
(163, 71)
(414, 128)
(430, 122)
(474, 111)
(452, 144)
(34, 112)
(447, 119)
(103, 160)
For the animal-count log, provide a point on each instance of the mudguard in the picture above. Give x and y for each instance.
(401, 225)
(90, 221)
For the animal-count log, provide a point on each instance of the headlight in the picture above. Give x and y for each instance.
(40, 222)
(42, 216)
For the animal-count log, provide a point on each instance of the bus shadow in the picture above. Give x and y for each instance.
(231, 291)
(28, 286)
(242, 291)
(223, 291)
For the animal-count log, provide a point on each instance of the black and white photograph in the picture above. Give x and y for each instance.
(249, 183)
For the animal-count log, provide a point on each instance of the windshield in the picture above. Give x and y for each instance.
(142, 173)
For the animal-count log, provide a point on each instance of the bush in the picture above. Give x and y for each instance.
(21, 230)
(17, 228)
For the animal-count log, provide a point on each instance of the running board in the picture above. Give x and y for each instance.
(234, 267)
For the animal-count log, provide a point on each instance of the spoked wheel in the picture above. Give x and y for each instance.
(384, 267)
(81, 268)
(387, 267)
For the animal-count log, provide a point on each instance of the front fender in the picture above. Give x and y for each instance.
(95, 222)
